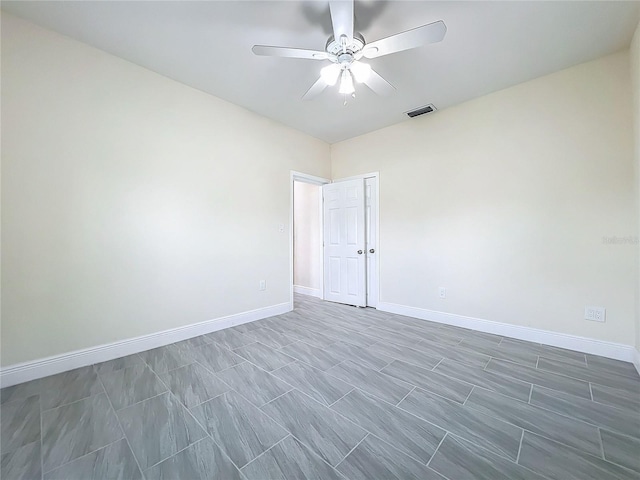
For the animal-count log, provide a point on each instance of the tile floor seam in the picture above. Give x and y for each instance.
(437, 364)
(352, 389)
(587, 381)
(70, 403)
(537, 361)
(84, 455)
(584, 422)
(544, 435)
(206, 437)
(41, 440)
(268, 449)
(530, 394)
(437, 448)
(124, 433)
(520, 446)
(472, 389)
(141, 401)
(601, 444)
(591, 392)
(275, 398)
(402, 399)
(350, 451)
(206, 432)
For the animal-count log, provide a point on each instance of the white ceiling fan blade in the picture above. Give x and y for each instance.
(315, 90)
(378, 84)
(430, 33)
(288, 52)
(342, 19)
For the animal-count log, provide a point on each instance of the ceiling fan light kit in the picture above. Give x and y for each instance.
(345, 48)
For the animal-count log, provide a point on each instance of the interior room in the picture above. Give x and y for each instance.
(340, 239)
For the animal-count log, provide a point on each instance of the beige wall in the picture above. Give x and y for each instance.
(306, 235)
(505, 200)
(634, 53)
(131, 203)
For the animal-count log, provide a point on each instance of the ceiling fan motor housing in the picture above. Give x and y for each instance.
(346, 55)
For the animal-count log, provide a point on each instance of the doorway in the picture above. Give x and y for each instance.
(334, 238)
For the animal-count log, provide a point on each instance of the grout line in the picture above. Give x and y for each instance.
(437, 364)
(141, 401)
(437, 448)
(84, 455)
(537, 361)
(520, 447)
(349, 452)
(472, 389)
(180, 451)
(41, 435)
(278, 442)
(275, 398)
(530, 394)
(591, 392)
(124, 434)
(409, 393)
(601, 443)
(352, 389)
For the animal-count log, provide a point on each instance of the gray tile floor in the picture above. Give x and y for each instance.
(330, 391)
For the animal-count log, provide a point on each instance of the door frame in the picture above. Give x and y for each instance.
(375, 175)
(313, 180)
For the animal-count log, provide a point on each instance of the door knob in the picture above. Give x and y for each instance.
(359, 252)
(372, 251)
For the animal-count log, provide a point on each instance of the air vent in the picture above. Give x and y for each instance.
(422, 110)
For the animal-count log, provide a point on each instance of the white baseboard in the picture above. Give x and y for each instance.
(23, 372)
(313, 292)
(636, 360)
(555, 339)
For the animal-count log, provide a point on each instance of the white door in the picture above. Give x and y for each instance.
(344, 243)
(371, 247)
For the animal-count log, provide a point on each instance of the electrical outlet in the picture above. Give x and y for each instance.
(595, 314)
(442, 292)
(263, 284)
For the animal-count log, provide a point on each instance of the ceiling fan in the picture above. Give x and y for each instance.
(345, 48)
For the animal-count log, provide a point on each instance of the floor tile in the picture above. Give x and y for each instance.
(311, 355)
(22, 463)
(374, 458)
(512, 355)
(166, 358)
(487, 380)
(616, 397)
(230, 338)
(20, 391)
(462, 460)
(317, 339)
(546, 351)
(115, 461)
(118, 364)
(588, 375)
(433, 335)
(242, 430)
(203, 460)
(360, 355)
(453, 352)
(270, 338)
(621, 449)
(559, 462)
(264, 357)
(74, 430)
(544, 422)
(246, 327)
(406, 354)
(597, 414)
(495, 435)
(289, 459)
(575, 387)
(317, 384)
(19, 423)
(385, 387)
(69, 386)
(397, 337)
(403, 430)
(348, 336)
(215, 358)
(132, 385)
(254, 384)
(158, 428)
(185, 347)
(429, 380)
(608, 365)
(325, 432)
(193, 384)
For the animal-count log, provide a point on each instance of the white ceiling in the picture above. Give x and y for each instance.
(207, 45)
